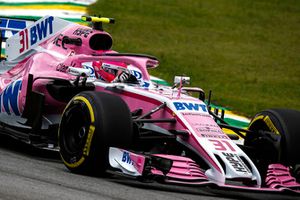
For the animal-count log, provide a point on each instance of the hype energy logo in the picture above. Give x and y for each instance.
(9, 98)
(33, 35)
(190, 106)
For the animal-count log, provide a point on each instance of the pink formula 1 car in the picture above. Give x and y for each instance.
(54, 96)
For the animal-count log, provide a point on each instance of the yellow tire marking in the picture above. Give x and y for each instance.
(256, 118)
(87, 146)
(74, 165)
(268, 122)
(81, 98)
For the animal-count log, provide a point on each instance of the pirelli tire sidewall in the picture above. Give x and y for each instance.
(91, 123)
(285, 123)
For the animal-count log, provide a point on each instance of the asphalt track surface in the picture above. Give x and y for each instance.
(28, 173)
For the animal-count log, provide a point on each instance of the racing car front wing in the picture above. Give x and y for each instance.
(183, 170)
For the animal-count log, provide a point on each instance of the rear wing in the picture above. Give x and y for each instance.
(29, 37)
(9, 27)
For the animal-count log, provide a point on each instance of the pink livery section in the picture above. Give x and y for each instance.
(63, 88)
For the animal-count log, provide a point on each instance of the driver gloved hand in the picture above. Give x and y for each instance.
(122, 77)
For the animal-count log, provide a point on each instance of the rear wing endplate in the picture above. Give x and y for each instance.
(11, 26)
(31, 36)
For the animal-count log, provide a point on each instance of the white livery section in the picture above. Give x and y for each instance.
(33, 35)
(128, 162)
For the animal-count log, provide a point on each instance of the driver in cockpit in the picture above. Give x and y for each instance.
(111, 72)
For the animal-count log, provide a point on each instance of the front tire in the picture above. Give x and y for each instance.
(91, 123)
(282, 145)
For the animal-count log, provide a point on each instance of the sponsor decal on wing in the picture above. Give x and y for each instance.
(30, 37)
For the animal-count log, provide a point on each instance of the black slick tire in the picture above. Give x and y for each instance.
(91, 123)
(282, 122)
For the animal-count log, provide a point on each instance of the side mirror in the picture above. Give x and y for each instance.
(184, 80)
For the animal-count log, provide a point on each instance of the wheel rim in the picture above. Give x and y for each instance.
(75, 129)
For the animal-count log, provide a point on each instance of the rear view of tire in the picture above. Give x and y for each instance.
(91, 123)
(283, 123)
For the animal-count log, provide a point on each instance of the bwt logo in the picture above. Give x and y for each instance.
(37, 32)
(126, 158)
(190, 106)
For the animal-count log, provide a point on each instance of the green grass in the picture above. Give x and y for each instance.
(246, 51)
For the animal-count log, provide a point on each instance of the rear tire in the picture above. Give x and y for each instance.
(91, 123)
(282, 122)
